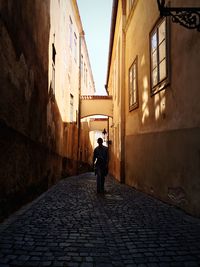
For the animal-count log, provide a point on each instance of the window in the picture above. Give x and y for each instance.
(53, 54)
(53, 69)
(81, 65)
(71, 107)
(159, 57)
(70, 32)
(75, 47)
(84, 73)
(86, 77)
(133, 86)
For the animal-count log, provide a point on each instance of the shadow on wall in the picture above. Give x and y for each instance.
(36, 147)
(86, 149)
(153, 108)
(31, 151)
(25, 157)
(162, 150)
(27, 168)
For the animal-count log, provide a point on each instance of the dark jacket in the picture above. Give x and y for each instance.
(101, 158)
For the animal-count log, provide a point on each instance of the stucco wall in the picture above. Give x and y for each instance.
(27, 168)
(114, 87)
(166, 165)
(87, 83)
(38, 139)
(176, 106)
(24, 66)
(162, 144)
(32, 130)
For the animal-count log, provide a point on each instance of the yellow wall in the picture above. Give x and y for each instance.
(114, 89)
(66, 34)
(162, 134)
(87, 81)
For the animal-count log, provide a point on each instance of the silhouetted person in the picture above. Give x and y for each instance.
(100, 161)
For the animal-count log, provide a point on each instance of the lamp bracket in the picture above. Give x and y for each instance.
(189, 17)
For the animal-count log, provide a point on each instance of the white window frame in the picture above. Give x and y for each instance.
(159, 56)
(133, 85)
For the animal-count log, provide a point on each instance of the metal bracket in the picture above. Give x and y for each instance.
(189, 17)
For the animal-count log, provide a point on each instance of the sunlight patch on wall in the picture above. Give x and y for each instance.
(157, 106)
(142, 63)
(145, 97)
(160, 104)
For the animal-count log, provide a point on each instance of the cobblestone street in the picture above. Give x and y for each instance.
(70, 225)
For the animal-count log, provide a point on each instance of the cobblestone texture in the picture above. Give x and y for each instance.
(70, 225)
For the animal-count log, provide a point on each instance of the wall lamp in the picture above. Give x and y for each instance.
(188, 17)
(104, 134)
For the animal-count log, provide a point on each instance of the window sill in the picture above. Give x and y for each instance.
(159, 87)
(133, 107)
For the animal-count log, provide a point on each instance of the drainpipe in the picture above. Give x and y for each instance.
(79, 104)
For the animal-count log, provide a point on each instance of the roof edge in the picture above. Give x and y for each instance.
(112, 33)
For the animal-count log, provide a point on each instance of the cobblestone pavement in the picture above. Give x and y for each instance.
(70, 225)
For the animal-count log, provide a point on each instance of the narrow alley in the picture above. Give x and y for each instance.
(73, 72)
(71, 225)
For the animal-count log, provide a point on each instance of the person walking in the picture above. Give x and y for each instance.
(100, 163)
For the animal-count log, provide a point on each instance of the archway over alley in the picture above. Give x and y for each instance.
(96, 105)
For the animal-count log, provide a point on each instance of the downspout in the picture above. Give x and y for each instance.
(79, 104)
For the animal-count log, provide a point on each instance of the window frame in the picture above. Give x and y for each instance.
(134, 105)
(75, 47)
(70, 33)
(86, 77)
(84, 73)
(161, 83)
(71, 107)
(53, 78)
(82, 62)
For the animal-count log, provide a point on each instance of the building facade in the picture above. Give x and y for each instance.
(153, 77)
(114, 84)
(40, 74)
(73, 77)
